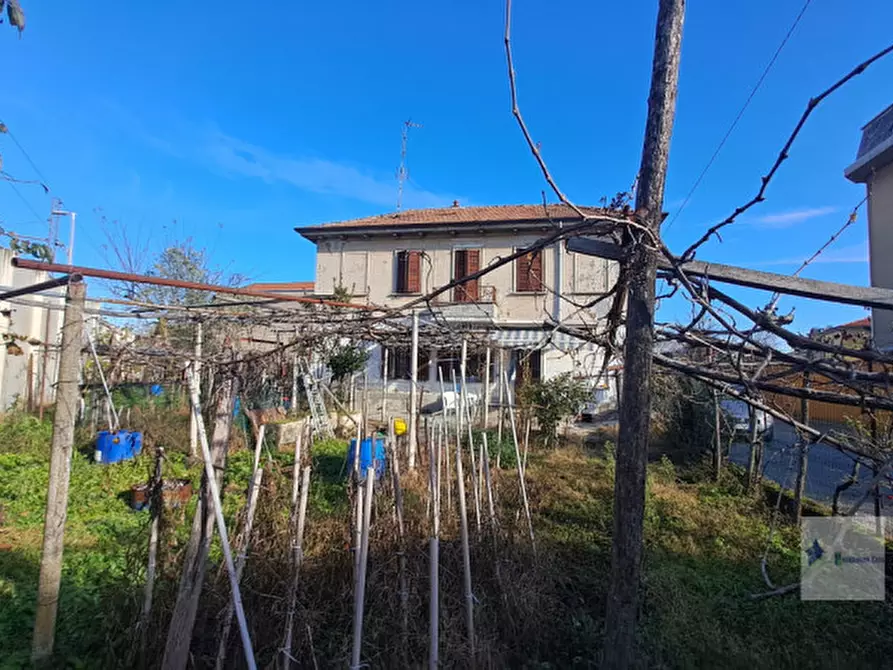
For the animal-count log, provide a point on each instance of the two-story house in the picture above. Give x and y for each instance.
(392, 259)
(874, 168)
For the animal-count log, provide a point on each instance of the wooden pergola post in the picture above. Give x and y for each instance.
(67, 402)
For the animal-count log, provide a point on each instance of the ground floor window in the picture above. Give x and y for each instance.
(399, 360)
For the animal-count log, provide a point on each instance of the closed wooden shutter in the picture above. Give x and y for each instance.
(529, 273)
(472, 265)
(467, 261)
(414, 273)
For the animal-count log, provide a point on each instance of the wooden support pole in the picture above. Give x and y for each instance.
(800, 487)
(61, 449)
(434, 467)
(717, 437)
(156, 506)
(413, 391)
(753, 437)
(182, 622)
(635, 407)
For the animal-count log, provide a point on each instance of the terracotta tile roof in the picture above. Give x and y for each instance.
(468, 215)
(303, 286)
(861, 323)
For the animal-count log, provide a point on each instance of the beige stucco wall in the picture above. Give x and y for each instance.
(27, 322)
(367, 268)
(880, 234)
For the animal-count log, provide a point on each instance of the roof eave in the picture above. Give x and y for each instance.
(314, 233)
(880, 156)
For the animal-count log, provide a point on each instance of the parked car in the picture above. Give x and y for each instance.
(737, 413)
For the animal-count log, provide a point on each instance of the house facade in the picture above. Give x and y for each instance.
(393, 259)
(874, 168)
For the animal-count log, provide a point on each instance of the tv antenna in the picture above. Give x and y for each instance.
(402, 172)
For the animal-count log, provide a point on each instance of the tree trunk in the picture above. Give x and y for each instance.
(179, 636)
(635, 407)
(62, 446)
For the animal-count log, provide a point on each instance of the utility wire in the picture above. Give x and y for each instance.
(23, 199)
(740, 114)
(851, 219)
(7, 131)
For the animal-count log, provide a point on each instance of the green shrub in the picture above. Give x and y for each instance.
(501, 451)
(553, 400)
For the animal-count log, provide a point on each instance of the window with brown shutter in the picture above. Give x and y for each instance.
(409, 272)
(466, 262)
(529, 272)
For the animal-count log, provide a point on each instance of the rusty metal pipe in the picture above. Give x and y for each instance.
(176, 283)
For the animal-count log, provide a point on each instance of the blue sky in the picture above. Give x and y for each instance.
(240, 123)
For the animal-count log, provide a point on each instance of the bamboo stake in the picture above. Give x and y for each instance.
(467, 418)
(486, 399)
(297, 561)
(526, 440)
(253, 494)
(466, 555)
(221, 523)
(413, 391)
(295, 479)
(489, 483)
(444, 438)
(360, 590)
(401, 534)
(511, 410)
(384, 385)
(499, 419)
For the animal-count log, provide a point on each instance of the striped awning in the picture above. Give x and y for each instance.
(534, 338)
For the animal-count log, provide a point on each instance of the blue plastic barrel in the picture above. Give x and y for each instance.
(368, 457)
(114, 446)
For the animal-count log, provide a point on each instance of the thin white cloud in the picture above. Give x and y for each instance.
(317, 175)
(793, 217)
(854, 253)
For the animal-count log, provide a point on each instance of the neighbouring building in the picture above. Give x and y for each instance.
(874, 168)
(28, 367)
(392, 259)
(853, 335)
(295, 288)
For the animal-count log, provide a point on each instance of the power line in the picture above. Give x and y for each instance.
(40, 174)
(740, 114)
(24, 200)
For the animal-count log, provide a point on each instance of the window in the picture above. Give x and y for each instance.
(408, 277)
(466, 262)
(400, 360)
(449, 362)
(529, 272)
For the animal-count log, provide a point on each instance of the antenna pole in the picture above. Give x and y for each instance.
(402, 172)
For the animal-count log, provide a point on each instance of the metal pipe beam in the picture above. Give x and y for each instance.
(41, 286)
(113, 275)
